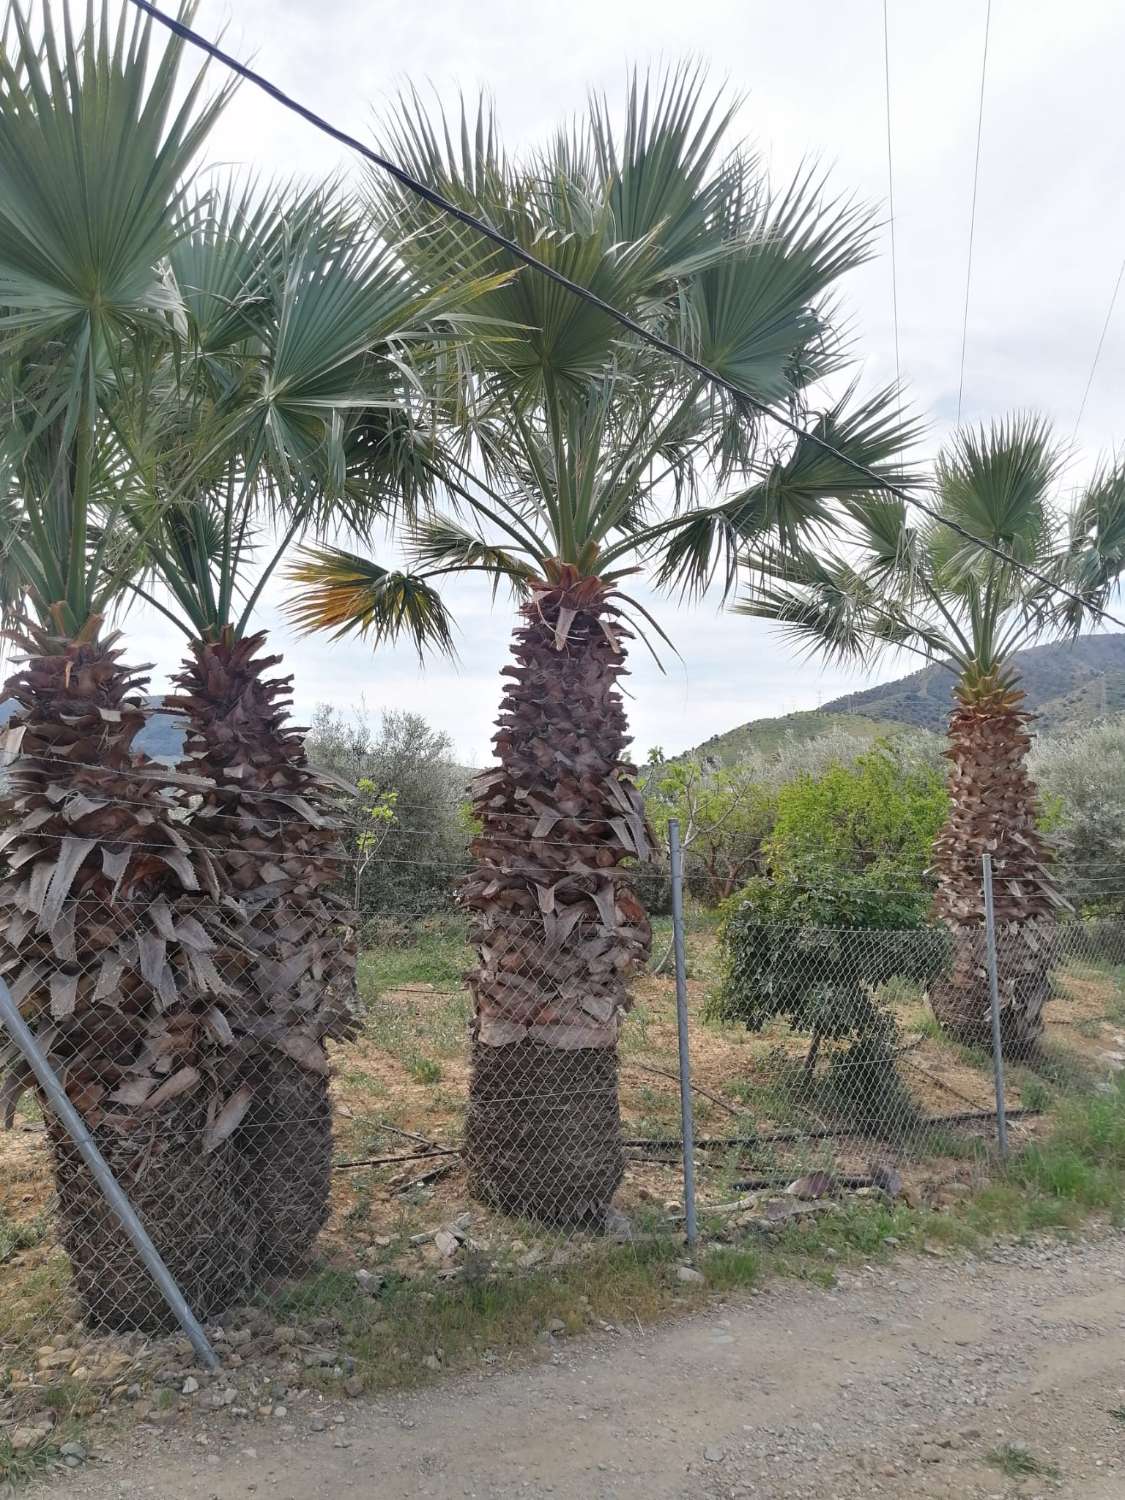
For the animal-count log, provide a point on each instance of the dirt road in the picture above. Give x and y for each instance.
(899, 1382)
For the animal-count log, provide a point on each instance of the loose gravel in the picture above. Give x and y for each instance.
(967, 1378)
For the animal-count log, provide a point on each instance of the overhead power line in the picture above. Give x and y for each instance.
(891, 191)
(654, 340)
(1098, 350)
(973, 211)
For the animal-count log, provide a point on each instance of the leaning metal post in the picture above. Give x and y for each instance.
(75, 1126)
(994, 995)
(687, 1122)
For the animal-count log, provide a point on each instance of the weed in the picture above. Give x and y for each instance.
(1035, 1095)
(424, 1069)
(1014, 1460)
(17, 1235)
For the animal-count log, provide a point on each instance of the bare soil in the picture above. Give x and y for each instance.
(967, 1379)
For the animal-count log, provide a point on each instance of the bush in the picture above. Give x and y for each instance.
(842, 912)
(1081, 777)
(404, 819)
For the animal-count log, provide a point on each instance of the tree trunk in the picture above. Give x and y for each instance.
(558, 927)
(993, 809)
(271, 820)
(110, 951)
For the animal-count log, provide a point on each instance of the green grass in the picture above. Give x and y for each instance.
(436, 955)
(1017, 1463)
(495, 1311)
(418, 1031)
(489, 1316)
(17, 1235)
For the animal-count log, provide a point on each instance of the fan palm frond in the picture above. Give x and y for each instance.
(342, 594)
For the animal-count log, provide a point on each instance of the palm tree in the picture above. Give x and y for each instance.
(574, 458)
(101, 946)
(290, 384)
(931, 588)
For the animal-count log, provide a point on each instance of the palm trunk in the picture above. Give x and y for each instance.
(269, 815)
(107, 949)
(993, 809)
(557, 925)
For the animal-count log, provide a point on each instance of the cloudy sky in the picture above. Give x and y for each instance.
(1050, 237)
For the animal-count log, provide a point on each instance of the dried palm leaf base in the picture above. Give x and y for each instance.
(557, 924)
(543, 1131)
(962, 1002)
(286, 1142)
(273, 821)
(993, 807)
(191, 1202)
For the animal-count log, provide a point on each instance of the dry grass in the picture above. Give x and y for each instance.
(406, 1076)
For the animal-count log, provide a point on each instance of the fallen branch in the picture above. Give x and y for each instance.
(383, 1161)
(821, 1133)
(435, 1174)
(407, 1135)
(695, 1088)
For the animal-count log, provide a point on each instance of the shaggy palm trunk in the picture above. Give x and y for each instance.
(993, 809)
(556, 922)
(270, 819)
(109, 952)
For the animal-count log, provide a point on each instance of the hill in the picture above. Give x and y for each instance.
(764, 736)
(1067, 683)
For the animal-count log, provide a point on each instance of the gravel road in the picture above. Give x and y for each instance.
(899, 1382)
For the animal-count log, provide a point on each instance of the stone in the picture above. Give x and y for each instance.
(190, 1386)
(447, 1244)
(353, 1386)
(713, 1455)
(690, 1275)
(556, 1325)
(24, 1439)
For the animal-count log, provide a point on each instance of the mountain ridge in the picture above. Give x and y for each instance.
(1067, 683)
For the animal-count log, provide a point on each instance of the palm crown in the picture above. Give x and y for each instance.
(573, 444)
(96, 156)
(931, 588)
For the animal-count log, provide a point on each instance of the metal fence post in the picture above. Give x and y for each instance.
(994, 997)
(75, 1127)
(687, 1121)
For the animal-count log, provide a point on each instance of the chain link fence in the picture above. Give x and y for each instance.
(296, 1168)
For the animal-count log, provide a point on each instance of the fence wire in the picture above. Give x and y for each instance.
(489, 1103)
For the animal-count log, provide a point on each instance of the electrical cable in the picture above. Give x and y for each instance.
(1098, 351)
(891, 198)
(973, 211)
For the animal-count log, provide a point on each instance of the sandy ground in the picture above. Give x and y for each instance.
(898, 1382)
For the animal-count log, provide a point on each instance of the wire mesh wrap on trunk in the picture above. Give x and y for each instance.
(556, 920)
(192, 1201)
(993, 807)
(543, 1135)
(285, 1143)
(272, 817)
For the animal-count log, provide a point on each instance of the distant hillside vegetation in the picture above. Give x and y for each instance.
(763, 736)
(1066, 684)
